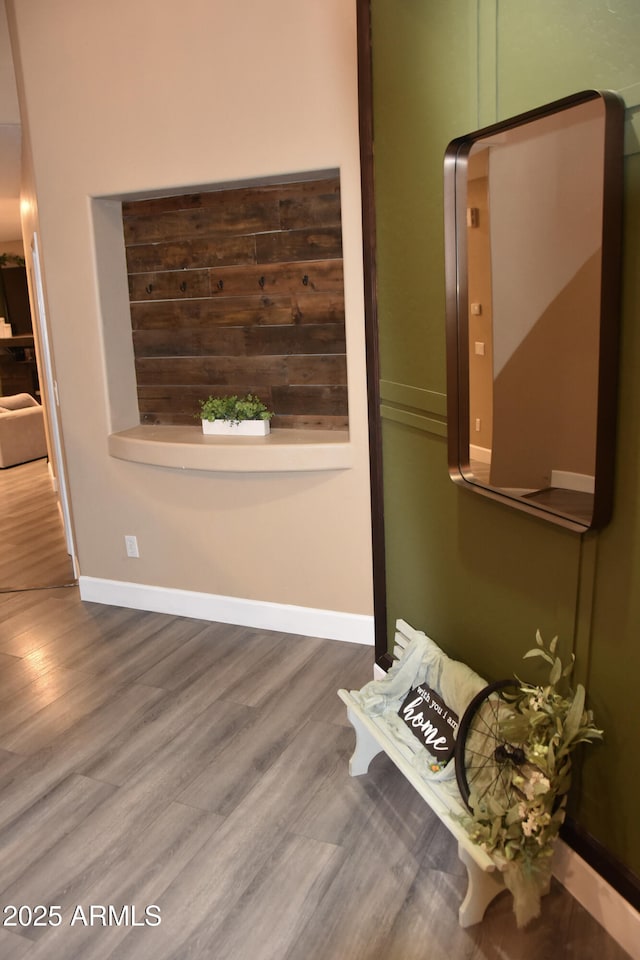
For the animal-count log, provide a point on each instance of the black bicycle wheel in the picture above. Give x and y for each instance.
(484, 760)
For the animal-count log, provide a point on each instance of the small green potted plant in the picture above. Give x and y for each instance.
(235, 416)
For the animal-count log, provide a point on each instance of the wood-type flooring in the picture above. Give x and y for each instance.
(158, 761)
(33, 551)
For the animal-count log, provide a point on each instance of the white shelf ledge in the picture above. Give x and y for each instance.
(186, 448)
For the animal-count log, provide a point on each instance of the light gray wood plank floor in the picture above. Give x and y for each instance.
(28, 507)
(149, 759)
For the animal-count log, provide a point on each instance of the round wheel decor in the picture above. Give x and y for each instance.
(484, 759)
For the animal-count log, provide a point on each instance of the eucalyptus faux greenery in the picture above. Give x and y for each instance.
(234, 409)
(547, 722)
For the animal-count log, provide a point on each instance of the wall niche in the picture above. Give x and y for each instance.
(240, 290)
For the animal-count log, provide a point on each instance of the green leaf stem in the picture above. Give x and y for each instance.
(547, 724)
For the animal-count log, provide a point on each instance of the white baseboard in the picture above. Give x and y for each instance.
(53, 480)
(483, 454)
(567, 480)
(612, 911)
(328, 624)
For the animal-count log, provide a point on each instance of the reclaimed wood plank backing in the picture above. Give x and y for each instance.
(236, 291)
(270, 310)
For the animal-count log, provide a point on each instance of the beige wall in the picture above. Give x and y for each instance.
(480, 325)
(546, 297)
(140, 95)
(9, 112)
(13, 247)
(551, 425)
(9, 143)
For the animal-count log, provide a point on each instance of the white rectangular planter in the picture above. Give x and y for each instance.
(231, 428)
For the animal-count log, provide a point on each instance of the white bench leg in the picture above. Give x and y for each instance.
(367, 747)
(483, 887)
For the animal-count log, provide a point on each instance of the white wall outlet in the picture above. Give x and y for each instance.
(131, 544)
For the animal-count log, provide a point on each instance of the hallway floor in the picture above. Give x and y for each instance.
(34, 551)
(150, 760)
(155, 760)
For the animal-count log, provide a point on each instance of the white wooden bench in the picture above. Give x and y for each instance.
(373, 736)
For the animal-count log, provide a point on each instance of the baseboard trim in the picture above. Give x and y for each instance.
(567, 480)
(286, 618)
(483, 454)
(618, 917)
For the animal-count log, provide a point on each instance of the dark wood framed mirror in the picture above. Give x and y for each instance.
(533, 209)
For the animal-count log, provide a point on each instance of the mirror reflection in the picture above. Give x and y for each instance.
(533, 202)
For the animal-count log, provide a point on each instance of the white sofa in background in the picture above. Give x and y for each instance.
(22, 435)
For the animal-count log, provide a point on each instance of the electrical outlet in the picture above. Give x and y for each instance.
(131, 543)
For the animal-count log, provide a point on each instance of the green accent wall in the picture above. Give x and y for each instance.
(477, 576)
